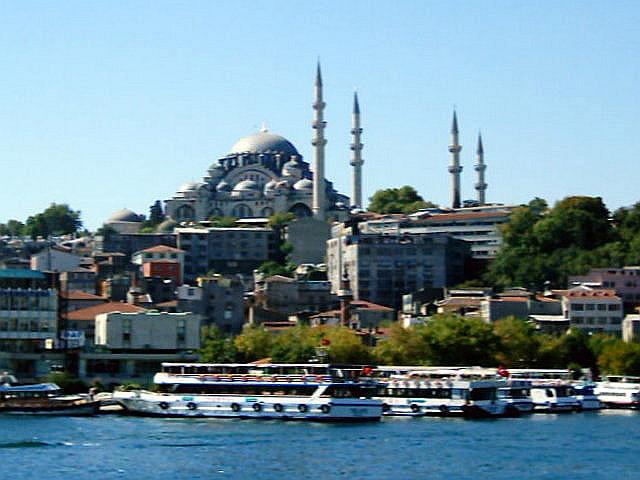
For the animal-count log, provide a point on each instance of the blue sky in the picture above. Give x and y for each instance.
(108, 105)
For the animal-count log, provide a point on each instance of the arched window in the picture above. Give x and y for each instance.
(186, 213)
(300, 210)
(267, 212)
(241, 211)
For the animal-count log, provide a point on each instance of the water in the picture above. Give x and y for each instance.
(590, 445)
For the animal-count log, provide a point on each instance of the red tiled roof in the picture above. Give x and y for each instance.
(90, 313)
(80, 295)
(460, 216)
(161, 248)
(279, 278)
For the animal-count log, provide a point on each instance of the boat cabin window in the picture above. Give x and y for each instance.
(483, 394)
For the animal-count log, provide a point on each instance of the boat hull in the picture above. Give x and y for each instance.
(83, 409)
(325, 410)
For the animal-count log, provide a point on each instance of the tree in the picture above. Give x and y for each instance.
(156, 214)
(215, 347)
(13, 228)
(344, 345)
(397, 200)
(279, 220)
(270, 268)
(57, 219)
(253, 343)
(218, 221)
(294, 345)
(518, 343)
(620, 358)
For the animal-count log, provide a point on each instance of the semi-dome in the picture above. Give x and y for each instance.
(223, 187)
(124, 215)
(263, 142)
(188, 187)
(167, 226)
(304, 184)
(246, 185)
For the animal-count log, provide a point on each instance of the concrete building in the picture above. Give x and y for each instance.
(80, 279)
(625, 281)
(217, 299)
(362, 316)
(77, 300)
(148, 331)
(383, 267)
(129, 243)
(124, 221)
(593, 310)
(631, 328)
(225, 250)
(55, 259)
(161, 261)
(288, 295)
(28, 311)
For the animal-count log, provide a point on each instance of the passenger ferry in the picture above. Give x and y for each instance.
(554, 398)
(441, 392)
(518, 394)
(321, 392)
(619, 392)
(587, 398)
(44, 399)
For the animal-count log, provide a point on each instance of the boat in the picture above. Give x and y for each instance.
(518, 394)
(554, 398)
(587, 398)
(619, 392)
(428, 393)
(320, 392)
(44, 399)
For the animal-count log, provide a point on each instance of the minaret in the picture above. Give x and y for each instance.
(356, 156)
(345, 295)
(480, 167)
(318, 142)
(455, 168)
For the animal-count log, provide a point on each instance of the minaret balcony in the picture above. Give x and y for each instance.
(480, 167)
(356, 130)
(455, 148)
(481, 186)
(317, 142)
(455, 169)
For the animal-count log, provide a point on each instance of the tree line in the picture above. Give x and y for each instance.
(447, 340)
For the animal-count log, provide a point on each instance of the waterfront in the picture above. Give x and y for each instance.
(587, 445)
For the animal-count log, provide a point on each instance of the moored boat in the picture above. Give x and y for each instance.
(419, 394)
(552, 398)
(44, 399)
(321, 392)
(619, 392)
(586, 396)
(517, 393)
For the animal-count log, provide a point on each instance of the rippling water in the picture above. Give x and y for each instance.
(572, 446)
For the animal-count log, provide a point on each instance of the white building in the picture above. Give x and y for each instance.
(593, 310)
(148, 331)
(55, 259)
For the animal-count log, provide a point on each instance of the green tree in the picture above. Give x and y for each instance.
(156, 213)
(218, 221)
(215, 347)
(294, 345)
(518, 342)
(13, 228)
(253, 343)
(620, 358)
(401, 347)
(270, 268)
(57, 219)
(344, 346)
(397, 200)
(279, 220)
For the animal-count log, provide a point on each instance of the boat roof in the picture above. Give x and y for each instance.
(32, 387)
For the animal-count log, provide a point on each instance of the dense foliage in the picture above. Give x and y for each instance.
(542, 244)
(397, 200)
(446, 340)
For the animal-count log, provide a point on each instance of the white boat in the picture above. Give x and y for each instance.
(419, 394)
(587, 398)
(321, 392)
(619, 392)
(44, 399)
(554, 398)
(518, 394)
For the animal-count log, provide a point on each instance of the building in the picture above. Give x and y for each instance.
(77, 299)
(225, 250)
(124, 221)
(28, 311)
(129, 243)
(55, 259)
(362, 316)
(161, 261)
(518, 303)
(80, 279)
(593, 310)
(148, 331)
(263, 174)
(286, 296)
(625, 281)
(217, 300)
(631, 328)
(384, 266)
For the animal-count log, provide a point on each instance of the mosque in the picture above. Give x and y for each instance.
(264, 174)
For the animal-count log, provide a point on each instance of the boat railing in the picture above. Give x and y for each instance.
(266, 378)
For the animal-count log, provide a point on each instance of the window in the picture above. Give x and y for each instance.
(590, 306)
(602, 306)
(613, 307)
(578, 307)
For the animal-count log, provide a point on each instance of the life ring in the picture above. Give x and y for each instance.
(191, 406)
(278, 407)
(415, 408)
(257, 407)
(444, 409)
(319, 378)
(385, 407)
(302, 408)
(235, 407)
(163, 405)
(325, 408)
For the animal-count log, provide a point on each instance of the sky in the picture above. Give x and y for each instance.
(110, 105)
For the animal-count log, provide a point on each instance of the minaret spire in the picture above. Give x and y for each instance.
(318, 141)
(480, 167)
(356, 157)
(454, 167)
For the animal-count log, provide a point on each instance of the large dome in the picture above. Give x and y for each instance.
(262, 142)
(124, 215)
